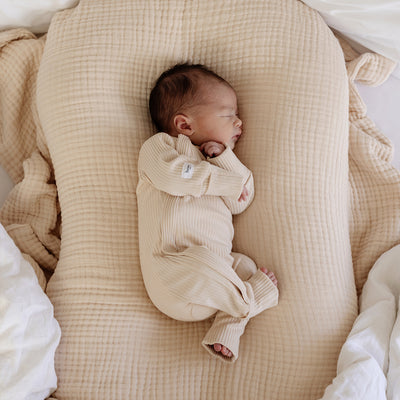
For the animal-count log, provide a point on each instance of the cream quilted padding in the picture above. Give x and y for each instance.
(99, 64)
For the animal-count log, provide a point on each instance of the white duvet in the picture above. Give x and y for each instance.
(29, 334)
(369, 363)
(373, 24)
(34, 15)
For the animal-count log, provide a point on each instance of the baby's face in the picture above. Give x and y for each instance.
(216, 117)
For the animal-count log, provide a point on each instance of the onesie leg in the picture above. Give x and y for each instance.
(225, 330)
(199, 277)
(244, 266)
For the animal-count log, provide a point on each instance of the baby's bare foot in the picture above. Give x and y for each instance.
(270, 275)
(219, 348)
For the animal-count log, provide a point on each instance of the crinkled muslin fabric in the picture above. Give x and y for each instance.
(99, 63)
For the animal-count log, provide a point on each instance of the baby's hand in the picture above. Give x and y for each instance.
(212, 149)
(244, 194)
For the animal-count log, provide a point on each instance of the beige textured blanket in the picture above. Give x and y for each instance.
(30, 212)
(326, 203)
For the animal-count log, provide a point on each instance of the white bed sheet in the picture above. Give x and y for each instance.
(383, 104)
(34, 15)
(372, 24)
(29, 333)
(369, 362)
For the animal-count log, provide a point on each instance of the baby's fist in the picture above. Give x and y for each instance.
(212, 149)
(244, 195)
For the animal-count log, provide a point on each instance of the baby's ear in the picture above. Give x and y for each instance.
(183, 125)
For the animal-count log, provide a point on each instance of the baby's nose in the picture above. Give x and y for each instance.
(238, 122)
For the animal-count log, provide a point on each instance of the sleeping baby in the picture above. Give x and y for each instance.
(190, 184)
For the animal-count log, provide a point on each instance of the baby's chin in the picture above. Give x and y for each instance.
(232, 143)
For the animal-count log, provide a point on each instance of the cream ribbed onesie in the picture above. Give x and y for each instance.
(185, 206)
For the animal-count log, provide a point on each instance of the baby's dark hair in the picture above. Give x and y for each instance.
(175, 90)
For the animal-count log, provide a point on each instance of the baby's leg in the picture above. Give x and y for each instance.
(244, 266)
(223, 337)
(270, 275)
(197, 276)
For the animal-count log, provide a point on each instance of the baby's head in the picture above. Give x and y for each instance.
(194, 101)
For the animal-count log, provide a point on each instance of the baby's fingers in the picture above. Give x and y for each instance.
(244, 194)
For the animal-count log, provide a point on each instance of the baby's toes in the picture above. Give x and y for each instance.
(219, 348)
(226, 352)
(270, 275)
(273, 279)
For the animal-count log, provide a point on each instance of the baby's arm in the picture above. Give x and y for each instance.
(165, 168)
(228, 160)
(214, 149)
(245, 199)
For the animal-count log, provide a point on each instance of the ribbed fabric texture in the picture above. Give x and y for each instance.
(99, 63)
(185, 237)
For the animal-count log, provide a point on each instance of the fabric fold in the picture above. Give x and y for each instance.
(368, 366)
(374, 181)
(369, 359)
(227, 330)
(30, 214)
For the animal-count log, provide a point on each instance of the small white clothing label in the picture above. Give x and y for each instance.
(187, 171)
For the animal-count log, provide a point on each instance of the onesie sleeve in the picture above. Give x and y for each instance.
(228, 161)
(161, 165)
